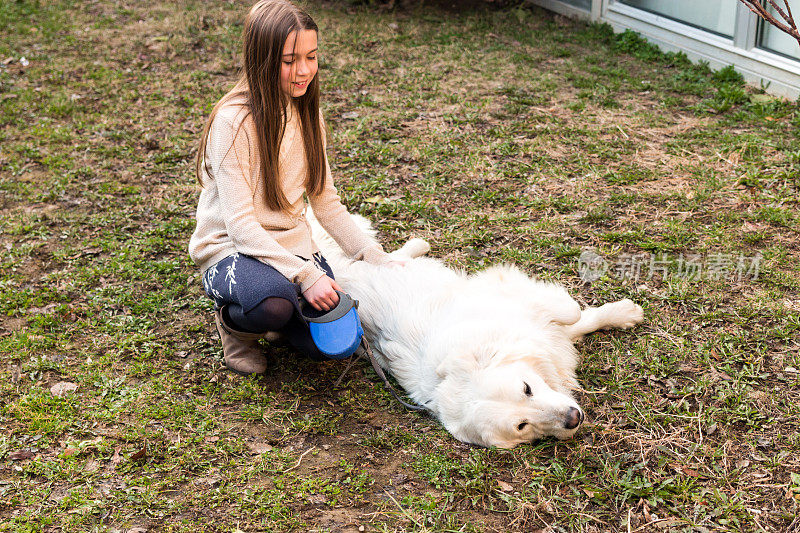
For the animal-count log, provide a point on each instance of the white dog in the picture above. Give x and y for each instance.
(490, 354)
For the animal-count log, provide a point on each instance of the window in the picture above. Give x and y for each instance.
(718, 16)
(582, 4)
(774, 40)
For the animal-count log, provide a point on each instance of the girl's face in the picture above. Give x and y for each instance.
(299, 62)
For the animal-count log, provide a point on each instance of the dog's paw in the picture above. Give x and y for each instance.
(626, 314)
(415, 247)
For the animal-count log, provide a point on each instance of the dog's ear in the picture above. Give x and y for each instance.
(464, 361)
(455, 363)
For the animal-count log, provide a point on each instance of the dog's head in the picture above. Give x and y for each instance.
(509, 395)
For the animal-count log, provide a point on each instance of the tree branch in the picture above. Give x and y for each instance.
(787, 25)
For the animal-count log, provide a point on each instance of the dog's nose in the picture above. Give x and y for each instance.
(574, 418)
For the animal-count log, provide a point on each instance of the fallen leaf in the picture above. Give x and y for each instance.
(684, 470)
(62, 388)
(505, 487)
(399, 479)
(211, 481)
(257, 448)
(91, 466)
(42, 310)
(761, 98)
(376, 200)
(115, 459)
(317, 498)
(69, 452)
(690, 472)
(717, 375)
(748, 226)
(646, 512)
(140, 454)
(21, 455)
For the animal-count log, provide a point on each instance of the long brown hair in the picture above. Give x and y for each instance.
(266, 27)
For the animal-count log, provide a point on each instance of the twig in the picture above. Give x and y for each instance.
(787, 26)
(584, 391)
(640, 528)
(346, 370)
(593, 518)
(405, 513)
(300, 459)
(700, 425)
(753, 515)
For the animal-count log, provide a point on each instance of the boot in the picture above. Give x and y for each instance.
(240, 349)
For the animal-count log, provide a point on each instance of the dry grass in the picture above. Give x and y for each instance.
(524, 142)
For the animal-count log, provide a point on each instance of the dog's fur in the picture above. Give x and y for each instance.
(491, 354)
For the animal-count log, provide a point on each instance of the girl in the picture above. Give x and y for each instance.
(261, 157)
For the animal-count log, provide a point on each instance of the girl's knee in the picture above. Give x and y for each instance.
(271, 314)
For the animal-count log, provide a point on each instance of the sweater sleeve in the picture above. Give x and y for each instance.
(236, 173)
(339, 224)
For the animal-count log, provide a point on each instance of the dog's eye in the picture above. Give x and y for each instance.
(527, 389)
(521, 426)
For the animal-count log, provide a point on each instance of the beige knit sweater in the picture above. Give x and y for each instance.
(232, 215)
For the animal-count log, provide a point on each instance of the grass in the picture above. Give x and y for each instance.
(529, 142)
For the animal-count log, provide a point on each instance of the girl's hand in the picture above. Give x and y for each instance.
(397, 263)
(322, 294)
